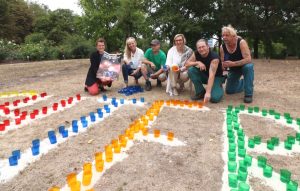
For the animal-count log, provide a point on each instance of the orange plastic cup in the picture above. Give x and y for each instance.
(109, 157)
(123, 143)
(86, 179)
(71, 179)
(76, 186)
(145, 131)
(117, 148)
(99, 165)
(115, 142)
(170, 136)
(87, 167)
(156, 133)
(98, 156)
(131, 135)
(108, 148)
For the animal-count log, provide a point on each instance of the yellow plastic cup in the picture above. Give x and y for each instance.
(54, 188)
(86, 178)
(99, 165)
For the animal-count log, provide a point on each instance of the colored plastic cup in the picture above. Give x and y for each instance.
(275, 140)
(122, 101)
(65, 133)
(292, 186)
(271, 111)
(243, 186)
(242, 175)
(156, 133)
(170, 136)
(268, 171)
(257, 139)
(107, 110)
(233, 180)
(277, 115)
(291, 139)
(248, 160)
(232, 156)
(134, 101)
(17, 153)
(142, 99)
(241, 152)
(13, 161)
(78, 97)
(61, 129)
(285, 175)
(251, 143)
(36, 142)
(242, 107)
(270, 145)
(250, 109)
(288, 145)
(232, 147)
(264, 112)
(256, 109)
(241, 144)
(262, 161)
(232, 166)
(99, 165)
(35, 150)
(104, 97)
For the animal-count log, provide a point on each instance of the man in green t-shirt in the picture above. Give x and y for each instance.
(154, 64)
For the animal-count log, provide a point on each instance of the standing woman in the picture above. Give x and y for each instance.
(92, 83)
(133, 57)
(176, 58)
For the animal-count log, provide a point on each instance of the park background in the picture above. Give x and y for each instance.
(30, 31)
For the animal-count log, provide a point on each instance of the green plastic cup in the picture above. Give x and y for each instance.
(235, 119)
(262, 161)
(230, 107)
(291, 139)
(277, 115)
(232, 166)
(264, 112)
(289, 120)
(240, 132)
(232, 156)
(251, 143)
(292, 186)
(257, 139)
(230, 134)
(285, 175)
(242, 165)
(243, 186)
(250, 109)
(237, 109)
(275, 140)
(231, 139)
(270, 145)
(236, 126)
(242, 107)
(268, 171)
(242, 175)
(241, 144)
(241, 152)
(271, 111)
(256, 109)
(298, 121)
(248, 160)
(288, 145)
(286, 115)
(233, 180)
(232, 147)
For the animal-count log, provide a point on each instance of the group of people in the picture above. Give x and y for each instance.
(182, 64)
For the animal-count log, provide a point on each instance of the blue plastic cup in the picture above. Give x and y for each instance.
(74, 122)
(84, 123)
(104, 97)
(16, 153)
(75, 128)
(53, 139)
(114, 99)
(142, 99)
(65, 133)
(51, 133)
(36, 142)
(107, 110)
(92, 116)
(13, 161)
(100, 115)
(83, 118)
(35, 150)
(106, 107)
(99, 110)
(122, 101)
(134, 100)
(116, 104)
(61, 128)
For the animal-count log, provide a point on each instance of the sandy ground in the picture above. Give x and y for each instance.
(150, 166)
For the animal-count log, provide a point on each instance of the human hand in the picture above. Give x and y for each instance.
(135, 72)
(183, 68)
(152, 65)
(227, 64)
(206, 97)
(201, 66)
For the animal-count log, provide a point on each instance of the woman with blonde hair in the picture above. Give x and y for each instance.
(176, 58)
(133, 57)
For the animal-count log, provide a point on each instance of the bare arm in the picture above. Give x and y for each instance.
(212, 72)
(246, 54)
(193, 62)
(221, 53)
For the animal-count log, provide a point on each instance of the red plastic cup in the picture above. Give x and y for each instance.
(78, 96)
(15, 103)
(44, 110)
(36, 111)
(6, 122)
(54, 108)
(32, 115)
(70, 100)
(34, 97)
(2, 107)
(6, 111)
(17, 112)
(44, 94)
(26, 99)
(18, 121)
(24, 113)
(2, 127)
(55, 104)
(6, 103)
(63, 103)
(23, 117)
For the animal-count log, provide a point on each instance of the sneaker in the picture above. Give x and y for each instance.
(158, 84)
(85, 89)
(109, 85)
(148, 86)
(248, 99)
(198, 96)
(175, 92)
(101, 88)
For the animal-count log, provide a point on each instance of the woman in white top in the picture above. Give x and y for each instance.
(133, 57)
(176, 58)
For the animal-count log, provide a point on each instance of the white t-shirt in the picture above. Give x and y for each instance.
(176, 58)
(135, 59)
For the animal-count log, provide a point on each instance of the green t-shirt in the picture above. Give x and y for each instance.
(158, 59)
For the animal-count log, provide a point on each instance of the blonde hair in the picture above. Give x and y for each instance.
(230, 30)
(179, 35)
(127, 50)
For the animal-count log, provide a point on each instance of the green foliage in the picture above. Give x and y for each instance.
(34, 38)
(8, 50)
(76, 47)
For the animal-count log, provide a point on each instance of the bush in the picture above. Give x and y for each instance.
(34, 38)
(9, 50)
(76, 47)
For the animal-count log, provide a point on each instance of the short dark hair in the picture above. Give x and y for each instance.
(100, 40)
(202, 40)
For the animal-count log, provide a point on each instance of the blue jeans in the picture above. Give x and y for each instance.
(236, 85)
(199, 78)
(127, 70)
